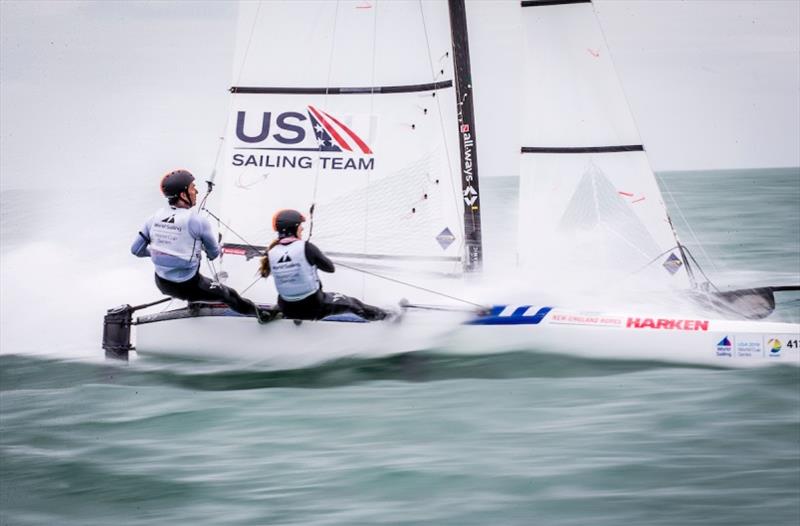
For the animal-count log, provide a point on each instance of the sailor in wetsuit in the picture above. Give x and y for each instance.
(293, 264)
(172, 239)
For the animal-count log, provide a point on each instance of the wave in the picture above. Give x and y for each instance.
(29, 372)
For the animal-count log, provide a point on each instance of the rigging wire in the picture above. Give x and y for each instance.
(708, 281)
(371, 109)
(691, 256)
(210, 181)
(704, 287)
(258, 277)
(455, 195)
(325, 103)
(394, 280)
(230, 104)
(213, 269)
(695, 239)
(232, 231)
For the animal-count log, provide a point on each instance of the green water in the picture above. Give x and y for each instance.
(513, 439)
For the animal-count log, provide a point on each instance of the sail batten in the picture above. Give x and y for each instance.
(546, 3)
(592, 210)
(584, 149)
(411, 88)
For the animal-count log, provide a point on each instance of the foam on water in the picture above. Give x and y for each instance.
(65, 257)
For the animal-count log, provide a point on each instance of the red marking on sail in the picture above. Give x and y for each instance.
(626, 194)
(593, 53)
(365, 5)
(361, 144)
(338, 138)
(636, 201)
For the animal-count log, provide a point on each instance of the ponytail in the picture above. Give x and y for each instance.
(263, 266)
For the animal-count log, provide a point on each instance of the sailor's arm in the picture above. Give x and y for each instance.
(201, 229)
(139, 247)
(315, 256)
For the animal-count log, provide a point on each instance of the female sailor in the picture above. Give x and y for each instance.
(293, 264)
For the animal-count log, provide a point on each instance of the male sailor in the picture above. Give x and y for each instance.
(293, 264)
(172, 239)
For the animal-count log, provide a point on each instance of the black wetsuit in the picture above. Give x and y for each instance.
(321, 304)
(200, 288)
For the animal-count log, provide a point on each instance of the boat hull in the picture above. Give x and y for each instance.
(217, 333)
(695, 341)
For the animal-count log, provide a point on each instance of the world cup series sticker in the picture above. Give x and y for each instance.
(746, 346)
(749, 347)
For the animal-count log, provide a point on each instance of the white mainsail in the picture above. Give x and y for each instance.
(348, 106)
(590, 207)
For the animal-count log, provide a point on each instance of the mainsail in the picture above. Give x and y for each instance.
(590, 206)
(346, 111)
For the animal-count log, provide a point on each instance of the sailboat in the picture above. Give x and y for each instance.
(361, 113)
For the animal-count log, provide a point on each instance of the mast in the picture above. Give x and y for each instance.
(467, 141)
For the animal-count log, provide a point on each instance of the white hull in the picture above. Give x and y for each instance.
(695, 341)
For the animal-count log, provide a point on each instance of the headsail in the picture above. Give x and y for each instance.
(589, 202)
(348, 107)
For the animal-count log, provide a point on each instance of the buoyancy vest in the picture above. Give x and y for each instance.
(295, 278)
(169, 234)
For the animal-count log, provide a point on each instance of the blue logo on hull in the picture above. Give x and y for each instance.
(517, 317)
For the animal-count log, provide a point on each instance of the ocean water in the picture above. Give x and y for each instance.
(517, 438)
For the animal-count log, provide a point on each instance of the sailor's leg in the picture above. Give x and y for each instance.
(208, 290)
(336, 303)
(200, 288)
(183, 290)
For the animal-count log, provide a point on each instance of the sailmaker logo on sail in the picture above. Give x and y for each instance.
(287, 140)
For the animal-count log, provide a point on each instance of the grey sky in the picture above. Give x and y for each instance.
(112, 93)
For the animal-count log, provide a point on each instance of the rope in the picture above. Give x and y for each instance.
(653, 260)
(210, 180)
(213, 175)
(255, 248)
(251, 284)
(325, 102)
(691, 256)
(371, 109)
(407, 284)
(711, 283)
(695, 239)
(213, 270)
(455, 195)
